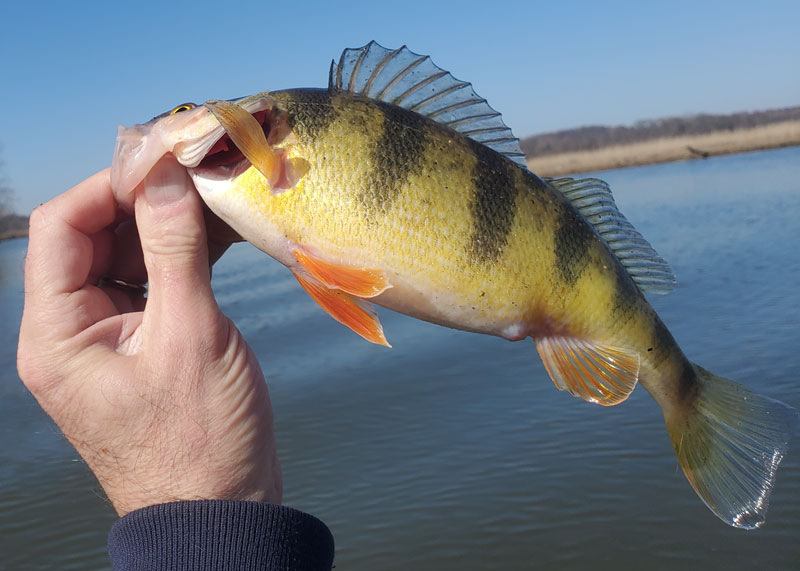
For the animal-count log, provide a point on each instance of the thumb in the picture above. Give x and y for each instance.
(173, 234)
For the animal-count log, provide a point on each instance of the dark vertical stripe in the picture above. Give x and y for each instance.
(626, 295)
(662, 337)
(310, 111)
(689, 386)
(397, 155)
(663, 341)
(493, 204)
(572, 241)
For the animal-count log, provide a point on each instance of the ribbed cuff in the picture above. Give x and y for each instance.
(220, 534)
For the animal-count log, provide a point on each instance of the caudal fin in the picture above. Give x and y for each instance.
(729, 446)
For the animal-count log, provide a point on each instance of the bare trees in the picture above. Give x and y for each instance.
(11, 225)
(5, 191)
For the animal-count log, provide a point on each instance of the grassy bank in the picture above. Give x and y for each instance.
(14, 234)
(770, 136)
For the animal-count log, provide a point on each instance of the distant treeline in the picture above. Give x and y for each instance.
(13, 226)
(591, 138)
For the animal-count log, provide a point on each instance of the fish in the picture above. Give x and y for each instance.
(399, 186)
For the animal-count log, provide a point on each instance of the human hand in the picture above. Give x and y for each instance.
(162, 397)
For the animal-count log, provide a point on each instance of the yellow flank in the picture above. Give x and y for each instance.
(429, 222)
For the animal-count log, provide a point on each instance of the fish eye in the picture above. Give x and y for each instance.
(183, 107)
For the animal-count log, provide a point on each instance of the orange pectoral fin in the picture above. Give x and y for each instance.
(349, 310)
(360, 283)
(594, 372)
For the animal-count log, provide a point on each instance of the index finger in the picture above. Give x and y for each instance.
(60, 250)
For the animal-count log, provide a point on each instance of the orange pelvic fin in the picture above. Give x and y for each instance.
(357, 314)
(355, 281)
(594, 372)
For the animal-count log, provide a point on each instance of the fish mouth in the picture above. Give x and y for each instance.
(224, 159)
(194, 137)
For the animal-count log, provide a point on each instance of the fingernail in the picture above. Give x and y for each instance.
(165, 184)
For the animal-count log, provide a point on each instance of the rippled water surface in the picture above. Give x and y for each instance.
(454, 450)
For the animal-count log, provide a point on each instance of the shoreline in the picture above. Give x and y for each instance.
(13, 226)
(14, 235)
(665, 150)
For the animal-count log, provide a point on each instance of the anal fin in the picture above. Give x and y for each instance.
(355, 281)
(596, 373)
(357, 314)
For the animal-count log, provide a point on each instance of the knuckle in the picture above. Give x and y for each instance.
(186, 242)
(30, 370)
(39, 218)
(25, 365)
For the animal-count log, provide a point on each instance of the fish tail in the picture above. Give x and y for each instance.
(729, 443)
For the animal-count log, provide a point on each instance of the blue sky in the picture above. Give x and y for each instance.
(73, 71)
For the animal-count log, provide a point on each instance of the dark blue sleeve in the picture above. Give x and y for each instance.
(220, 534)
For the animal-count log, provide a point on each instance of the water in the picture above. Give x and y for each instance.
(454, 450)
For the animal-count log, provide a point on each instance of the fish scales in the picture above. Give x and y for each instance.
(494, 203)
(397, 155)
(513, 257)
(430, 219)
(400, 185)
(505, 244)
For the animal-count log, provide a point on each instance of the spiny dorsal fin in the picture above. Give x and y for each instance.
(593, 198)
(414, 82)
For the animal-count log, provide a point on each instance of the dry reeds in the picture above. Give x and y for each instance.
(774, 135)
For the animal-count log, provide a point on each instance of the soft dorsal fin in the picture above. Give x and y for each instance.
(593, 198)
(414, 82)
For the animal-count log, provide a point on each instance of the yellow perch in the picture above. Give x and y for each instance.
(398, 185)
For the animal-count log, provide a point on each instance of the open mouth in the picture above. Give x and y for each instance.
(226, 156)
(251, 138)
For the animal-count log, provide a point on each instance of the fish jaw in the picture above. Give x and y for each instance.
(188, 135)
